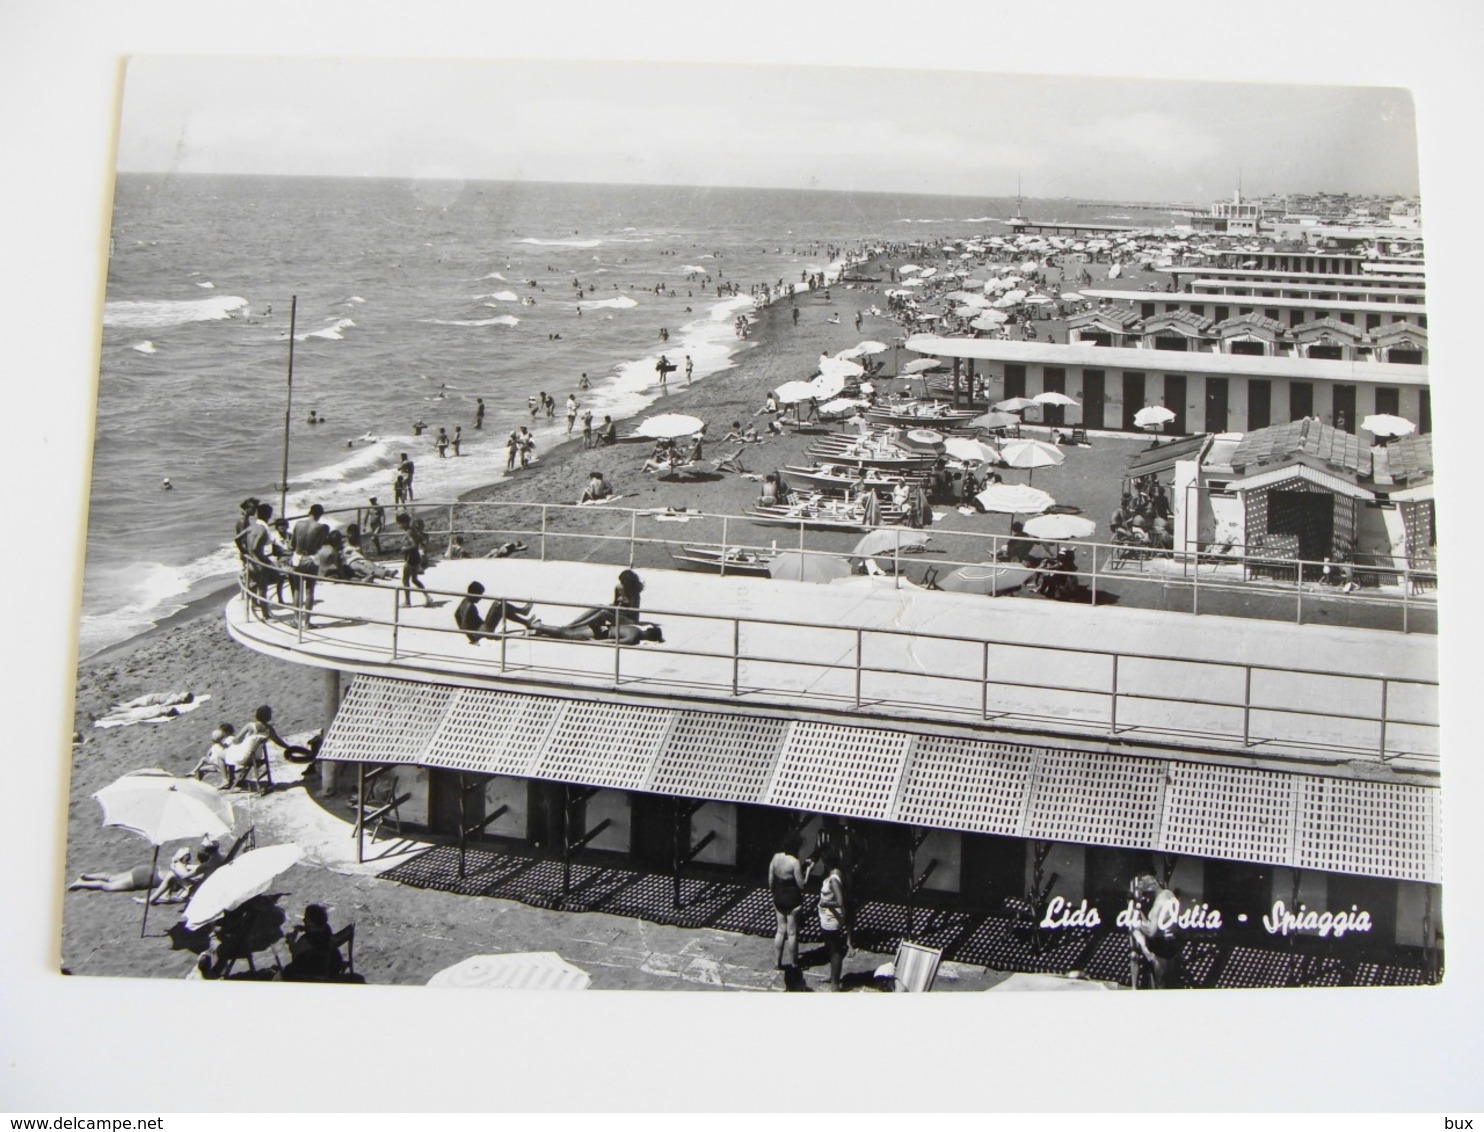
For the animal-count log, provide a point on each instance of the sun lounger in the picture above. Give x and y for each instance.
(731, 462)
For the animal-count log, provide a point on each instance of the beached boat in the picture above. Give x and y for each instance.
(921, 414)
(839, 478)
(712, 560)
(820, 512)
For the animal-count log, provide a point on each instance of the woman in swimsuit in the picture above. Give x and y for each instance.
(601, 619)
(786, 877)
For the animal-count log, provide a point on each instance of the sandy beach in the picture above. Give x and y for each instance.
(192, 651)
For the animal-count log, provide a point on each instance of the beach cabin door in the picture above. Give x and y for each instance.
(1092, 398)
(1175, 401)
(1133, 399)
(1215, 404)
(1259, 403)
(1344, 402)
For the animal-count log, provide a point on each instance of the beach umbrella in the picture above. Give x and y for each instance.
(992, 317)
(1051, 397)
(827, 385)
(1014, 404)
(921, 365)
(667, 426)
(518, 970)
(968, 449)
(988, 578)
(1153, 416)
(1015, 499)
(906, 267)
(965, 311)
(885, 540)
(867, 387)
(914, 282)
(869, 346)
(1038, 300)
(1384, 424)
(841, 405)
(839, 367)
(160, 808)
(791, 392)
(1072, 296)
(994, 420)
(796, 566)
(238, 881)
(1059, 527)
(1031, 454)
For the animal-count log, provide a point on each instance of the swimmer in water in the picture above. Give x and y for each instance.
(166, 485)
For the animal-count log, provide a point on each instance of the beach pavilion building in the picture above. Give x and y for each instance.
(996, 771)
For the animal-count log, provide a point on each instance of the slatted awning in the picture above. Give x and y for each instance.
(941, 781)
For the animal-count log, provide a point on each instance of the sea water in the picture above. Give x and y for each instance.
(414, 298)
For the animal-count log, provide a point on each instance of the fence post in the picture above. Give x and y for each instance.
(1247, 706)
(1298, 590)
(984, 682)
(736, 655)
(859, 648)
(543, 532)
(616, 650)
(724, 546)
(1385, 686)
(1113, 704)
(1097, 552)
(396, 618)
(633, 534)
(1195, 585)
(451, 507)
(1406, 591)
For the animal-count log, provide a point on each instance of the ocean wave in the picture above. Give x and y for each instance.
(981, 220)
(148, 314)
(561, 243)
(210, 286)
(622, 302)
(140, 596)
(498, 320)
(692, 267)
(502, 296)
(494, 275)
(331, 332)
(145, 347)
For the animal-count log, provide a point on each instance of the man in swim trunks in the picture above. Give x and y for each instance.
(475, 627)
(306, 538)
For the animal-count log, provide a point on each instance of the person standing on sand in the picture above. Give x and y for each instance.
(689, 366)
(587, 428)
(572, 407)
(512, 451)
(479, 412)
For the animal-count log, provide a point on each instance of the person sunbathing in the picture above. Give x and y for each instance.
(597, 489)
(170, 886)
(475, 627)
(157, 705)
(629, 633)
(506, 549)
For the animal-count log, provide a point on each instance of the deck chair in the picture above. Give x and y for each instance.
(731, 462)
(1079, 435)
(915, 967)
(382, 803)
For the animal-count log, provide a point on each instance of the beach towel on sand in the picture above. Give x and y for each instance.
(159, 713)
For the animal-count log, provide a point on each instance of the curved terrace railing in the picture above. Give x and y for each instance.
(1254, 707)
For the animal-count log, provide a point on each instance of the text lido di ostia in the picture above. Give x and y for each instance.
(1281, 920)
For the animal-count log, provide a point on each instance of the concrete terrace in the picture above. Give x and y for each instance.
(1353, 701)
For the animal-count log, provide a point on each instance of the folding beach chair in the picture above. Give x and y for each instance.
(915, 967)
(1079, 436)
(731, 462)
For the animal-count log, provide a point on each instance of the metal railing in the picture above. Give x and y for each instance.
(954, 677)
(1389, 597)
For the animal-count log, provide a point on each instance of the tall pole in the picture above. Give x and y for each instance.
(288, 410)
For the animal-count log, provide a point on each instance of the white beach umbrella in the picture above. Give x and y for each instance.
(987, 578)
(921, 365)
(927, 273)
(839, 367)
(994, 419)
(1059, 527)
(667, 426)
(1153, 416)
(1051, 397)
(968, 449)
(1385, 424)
(1039, 300)
(885, 540)
(906, 267)
(161, 808)
(796, 566)
(237, 882)
(913, 282)
(1072, 296)
(841, 405)
(791, 392)
(1014, 404)
(1015, 499)
(1028, 265)
(519, 970)
(1031, 454)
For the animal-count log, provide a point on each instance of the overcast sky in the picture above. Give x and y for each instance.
(786, 127)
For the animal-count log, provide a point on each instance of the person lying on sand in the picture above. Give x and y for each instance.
(170, 886)
(506, 549)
